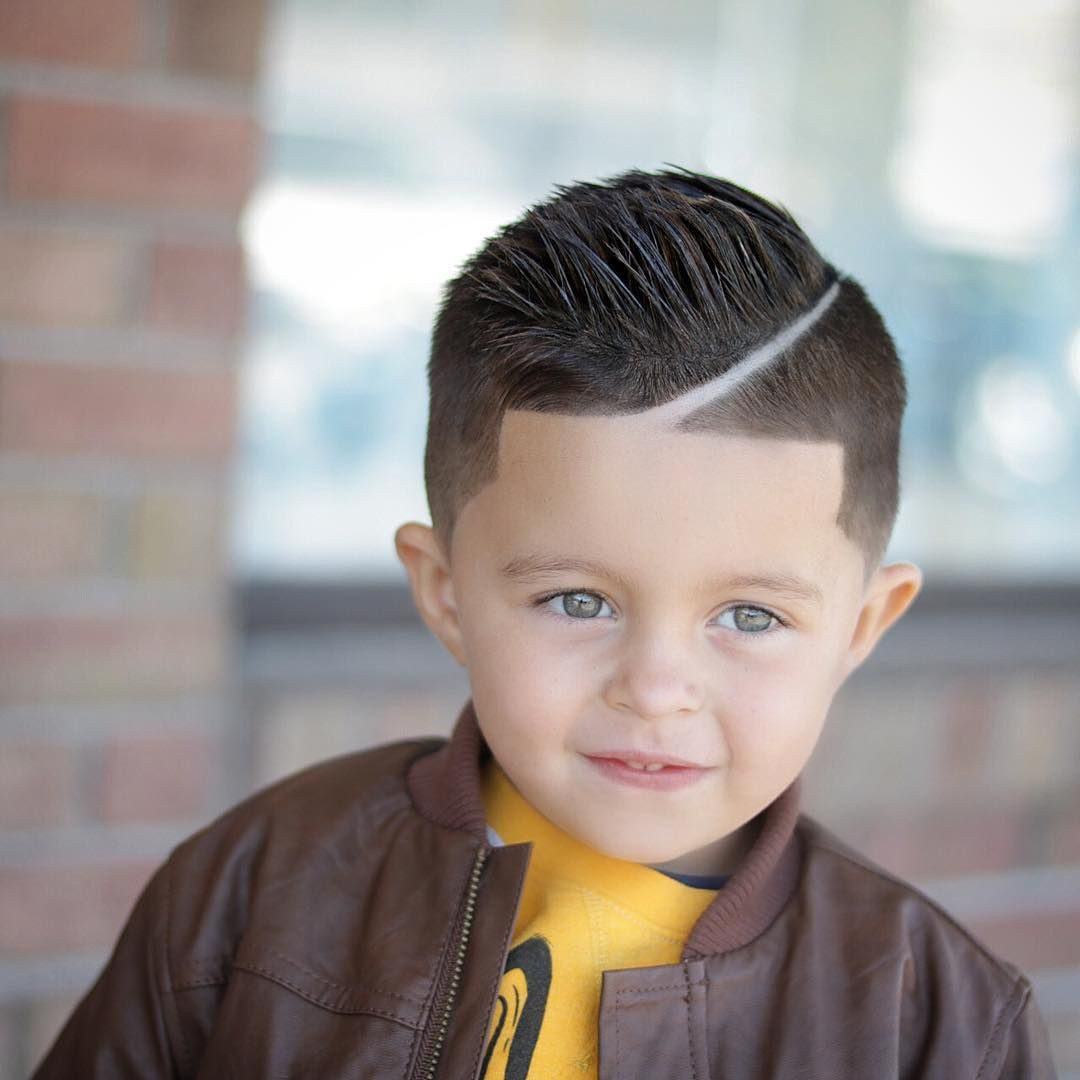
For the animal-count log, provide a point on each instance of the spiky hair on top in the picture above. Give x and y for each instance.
(675, 292)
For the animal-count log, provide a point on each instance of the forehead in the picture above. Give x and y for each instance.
(648, 500)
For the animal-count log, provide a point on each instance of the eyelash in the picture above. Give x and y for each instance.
(541, 601)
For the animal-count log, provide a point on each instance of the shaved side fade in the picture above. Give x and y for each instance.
(673, 293)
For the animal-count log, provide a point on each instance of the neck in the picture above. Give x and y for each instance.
(718, 858)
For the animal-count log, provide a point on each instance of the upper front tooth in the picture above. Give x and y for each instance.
(654, 766)
(635, 765)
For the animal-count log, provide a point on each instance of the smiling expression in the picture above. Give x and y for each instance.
(621, 590)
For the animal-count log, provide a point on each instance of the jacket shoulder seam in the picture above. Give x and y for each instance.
(1021, 992)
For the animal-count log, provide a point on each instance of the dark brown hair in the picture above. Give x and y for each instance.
(619, 296)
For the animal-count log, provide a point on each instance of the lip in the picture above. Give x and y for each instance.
(646, 757)
(670, 778)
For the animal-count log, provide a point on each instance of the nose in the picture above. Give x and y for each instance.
(655, 676)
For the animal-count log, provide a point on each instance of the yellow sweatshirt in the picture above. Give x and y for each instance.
(581, 914)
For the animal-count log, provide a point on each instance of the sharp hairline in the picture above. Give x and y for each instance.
(524, 567)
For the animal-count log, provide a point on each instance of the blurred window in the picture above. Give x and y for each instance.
(929, 148)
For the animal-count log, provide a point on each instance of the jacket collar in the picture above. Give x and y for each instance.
(445, 787)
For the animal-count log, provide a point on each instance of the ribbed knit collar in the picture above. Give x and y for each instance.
(445, 786)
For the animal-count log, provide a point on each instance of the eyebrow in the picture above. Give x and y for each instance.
(537, 565)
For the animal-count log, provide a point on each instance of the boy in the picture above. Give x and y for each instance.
(662, 471)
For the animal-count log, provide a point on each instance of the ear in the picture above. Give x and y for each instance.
(432, 587)
(888, 595)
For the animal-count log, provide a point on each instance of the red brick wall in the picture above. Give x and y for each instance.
(128, 144)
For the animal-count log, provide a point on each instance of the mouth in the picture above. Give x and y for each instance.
(649, 771)
(644, 759)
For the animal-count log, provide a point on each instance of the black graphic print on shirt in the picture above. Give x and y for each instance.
(519, 1011)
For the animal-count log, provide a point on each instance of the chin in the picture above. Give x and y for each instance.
(632, 849)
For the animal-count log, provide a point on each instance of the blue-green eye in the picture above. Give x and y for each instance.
(584, 606)
(749, 620)
(577, 605)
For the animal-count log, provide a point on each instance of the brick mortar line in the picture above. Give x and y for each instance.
(108, 475)
(126, 223)
(136, 290)
(131, 348)
(154, 36)
(118, 553)
(87, 723)
(138, 88)
(104, 597)
(89, 766)
(4, 142)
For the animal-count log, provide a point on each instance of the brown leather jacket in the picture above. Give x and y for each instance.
(353, 921)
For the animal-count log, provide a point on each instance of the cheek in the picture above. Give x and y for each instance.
(775, 705)
(510, 640)
(531, 683)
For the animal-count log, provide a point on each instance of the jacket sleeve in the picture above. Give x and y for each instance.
(123, 1027)
(1025, 1046)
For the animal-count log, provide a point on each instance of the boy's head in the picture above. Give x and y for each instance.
(662, 466)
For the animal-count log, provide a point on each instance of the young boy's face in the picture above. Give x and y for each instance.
(620, 589)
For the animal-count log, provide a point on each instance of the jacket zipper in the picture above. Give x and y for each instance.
(444, 1003)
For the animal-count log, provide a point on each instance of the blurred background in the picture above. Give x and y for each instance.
(224, 225)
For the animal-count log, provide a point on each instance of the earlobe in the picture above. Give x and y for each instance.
(889, 594)
(432, 586)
